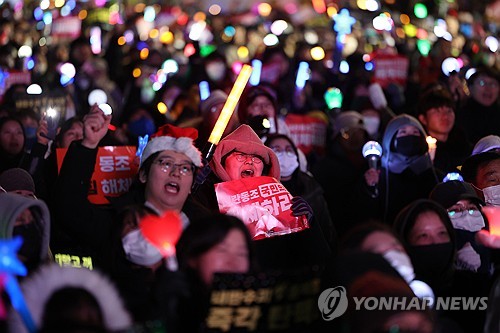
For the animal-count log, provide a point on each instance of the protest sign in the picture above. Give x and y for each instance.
(113, 172)
(267, 302)
(53, 99)
(262, 203)
(390, 69)
(308, 133)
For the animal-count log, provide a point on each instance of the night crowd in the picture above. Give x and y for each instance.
(406, 221)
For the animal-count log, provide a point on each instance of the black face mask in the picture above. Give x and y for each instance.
(410, 145)
(258, 124)
(32, 244)
(433, 263)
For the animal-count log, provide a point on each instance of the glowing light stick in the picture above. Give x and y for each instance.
(257, 70)
(333, 98)
(302, 75)
(228, 109)
(10, 266)
(372, 151)
(204, 90)
(143, 141)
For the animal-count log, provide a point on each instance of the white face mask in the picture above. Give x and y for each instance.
(468, 222)
(371, 124)
(139, 250)
(288, 163)
(400, 262)
(492, 195)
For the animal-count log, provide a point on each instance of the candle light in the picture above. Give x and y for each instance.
(431, 142)
(230, 105)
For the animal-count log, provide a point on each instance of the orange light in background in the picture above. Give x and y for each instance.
(82, 15)
(264, 9)
(405, 19)
(139, 8)
(154, 33)
(390, 2)
(400, 32)
(332, 11)
(144, 53)
(199, 16)
(136, 72)
(122, 40)
(319, 6)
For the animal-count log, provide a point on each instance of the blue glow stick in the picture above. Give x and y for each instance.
(257, 70)
(18, 302)
(204, 90)
(143, 141)
(302, 75)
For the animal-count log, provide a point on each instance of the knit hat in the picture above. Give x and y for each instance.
(178, 139)
(244, 139)
(487, 143)
(347, 120)
(216, 97)
(17, 179)
(449, 193)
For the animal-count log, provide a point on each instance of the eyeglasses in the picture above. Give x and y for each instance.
(459, 212)
(185, 169)
(240, 157)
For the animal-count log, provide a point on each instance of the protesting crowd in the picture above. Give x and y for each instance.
(176, 169)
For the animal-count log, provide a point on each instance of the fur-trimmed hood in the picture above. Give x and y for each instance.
(39, 288)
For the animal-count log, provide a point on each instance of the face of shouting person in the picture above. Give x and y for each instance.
(240, 165)
(169, 180)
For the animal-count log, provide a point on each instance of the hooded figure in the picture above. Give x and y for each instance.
(434, 260)
(258, 160)
(68, 299)
(30, 219)
(406, 171)
(244, 140)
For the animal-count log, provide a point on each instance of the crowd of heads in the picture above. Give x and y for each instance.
(404, 225)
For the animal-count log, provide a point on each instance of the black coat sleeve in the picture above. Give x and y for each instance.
(88, 224)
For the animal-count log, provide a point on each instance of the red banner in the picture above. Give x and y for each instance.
(262, 203)
(114, 170)
(308, 133)
(66, 27)
(390, 69)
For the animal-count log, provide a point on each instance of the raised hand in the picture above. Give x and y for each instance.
(95, 127)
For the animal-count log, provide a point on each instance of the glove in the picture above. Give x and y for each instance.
(301, 207)
(203, 173)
